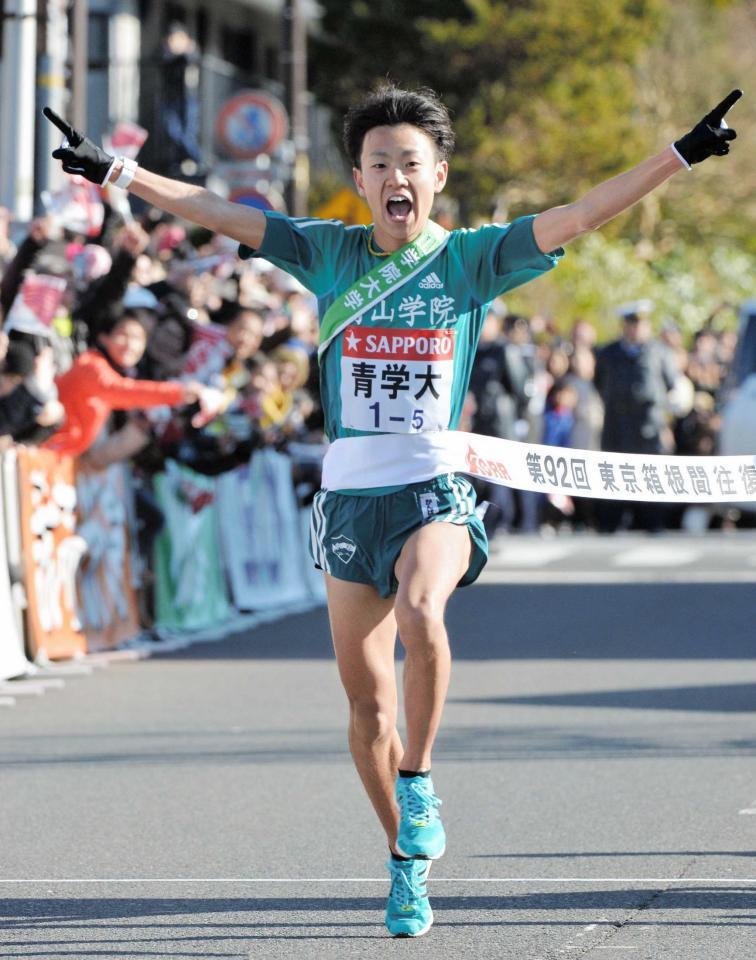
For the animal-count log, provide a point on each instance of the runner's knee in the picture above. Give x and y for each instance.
(420, 622)
(370, 721)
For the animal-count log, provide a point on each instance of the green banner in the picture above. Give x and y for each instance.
(190, 588)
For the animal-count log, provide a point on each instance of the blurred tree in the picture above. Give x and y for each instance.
(363, 42)
(705, 51)
(544, 98)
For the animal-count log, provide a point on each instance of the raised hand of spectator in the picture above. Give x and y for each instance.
(4, 341)
(42, 380)
(132, 238)
(44, 367)
(211, 402)
(53, 412)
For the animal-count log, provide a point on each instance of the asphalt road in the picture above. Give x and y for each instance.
(596, 765)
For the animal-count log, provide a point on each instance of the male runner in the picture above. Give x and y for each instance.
(402, 303)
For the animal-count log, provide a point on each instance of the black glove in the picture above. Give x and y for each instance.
(78, 154)
(710, 136)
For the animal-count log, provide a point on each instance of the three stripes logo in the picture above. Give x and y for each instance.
(431, 282)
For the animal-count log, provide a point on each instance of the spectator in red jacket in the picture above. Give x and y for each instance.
(101, 380)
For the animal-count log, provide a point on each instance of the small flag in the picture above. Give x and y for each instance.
(77, 206)
(126, 140)
(36, 304)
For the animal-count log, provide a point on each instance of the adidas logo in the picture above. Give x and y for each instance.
(431, 282)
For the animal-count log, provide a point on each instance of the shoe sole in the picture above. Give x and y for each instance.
(411, 936)
(419, 856)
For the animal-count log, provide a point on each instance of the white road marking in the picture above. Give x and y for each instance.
(748, 810)
(493, 574)
(47, 683)
(666, 555)
(653, 881)
(61, 669)
(23, 688)
(621, 559)
(530, 554)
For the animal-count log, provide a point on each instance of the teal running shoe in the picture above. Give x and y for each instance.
(421, 833)
(408, 911)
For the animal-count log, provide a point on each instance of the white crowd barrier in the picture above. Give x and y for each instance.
(13, 661)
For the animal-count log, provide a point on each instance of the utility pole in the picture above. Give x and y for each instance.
(79, 63)
(294, 67)
(17, 92)
(51, 92)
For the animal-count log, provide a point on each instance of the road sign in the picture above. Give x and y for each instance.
(250, 123)
(251, 198)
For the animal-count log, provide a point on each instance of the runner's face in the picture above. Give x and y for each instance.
(399, 177)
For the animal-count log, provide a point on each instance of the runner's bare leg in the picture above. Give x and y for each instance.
(363, 628)
(430, 566)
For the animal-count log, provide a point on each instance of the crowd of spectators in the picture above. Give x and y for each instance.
(638, 393)
(163, 344)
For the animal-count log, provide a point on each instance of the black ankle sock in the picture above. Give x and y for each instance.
(414, 773)
(395, 856)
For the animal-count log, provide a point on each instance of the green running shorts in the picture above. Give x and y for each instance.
(359, 538)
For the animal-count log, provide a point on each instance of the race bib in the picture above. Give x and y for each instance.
(396, 381)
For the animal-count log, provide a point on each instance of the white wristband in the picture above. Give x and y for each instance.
(128, 169)
(680, 157)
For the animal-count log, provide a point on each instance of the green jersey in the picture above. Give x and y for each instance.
(404, 366)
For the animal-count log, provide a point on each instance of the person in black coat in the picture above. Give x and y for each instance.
(634, 376)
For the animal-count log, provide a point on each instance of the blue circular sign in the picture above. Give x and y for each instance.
(251, 123)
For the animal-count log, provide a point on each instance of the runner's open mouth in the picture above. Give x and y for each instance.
(399, 208)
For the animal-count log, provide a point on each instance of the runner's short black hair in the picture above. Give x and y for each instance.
(389, 105)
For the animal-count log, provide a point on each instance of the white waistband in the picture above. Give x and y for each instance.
(390, 459)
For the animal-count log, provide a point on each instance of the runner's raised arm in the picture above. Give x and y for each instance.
(80, 155)
(710, 137)
(199, 205)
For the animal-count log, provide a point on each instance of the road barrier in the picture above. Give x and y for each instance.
(110, 572)
(51, 551)
(71, 575)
